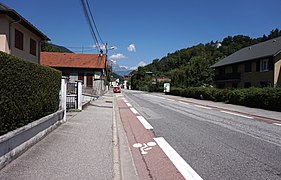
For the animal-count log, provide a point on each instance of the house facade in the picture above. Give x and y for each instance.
(18, 36)
(89, 68)
(254, 66)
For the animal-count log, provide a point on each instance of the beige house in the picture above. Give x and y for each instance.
(18, 36)
(257, 65)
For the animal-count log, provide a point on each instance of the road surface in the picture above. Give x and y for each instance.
(215, 143)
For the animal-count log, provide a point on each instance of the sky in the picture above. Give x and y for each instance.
(143, 30)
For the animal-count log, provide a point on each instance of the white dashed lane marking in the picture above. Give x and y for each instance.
(236, 114)
(134, 110)
(205, 107)
(277, 124)
(144, 122)
(182, 166)
(183, 102)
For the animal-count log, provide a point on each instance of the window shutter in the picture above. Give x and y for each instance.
(258, 66)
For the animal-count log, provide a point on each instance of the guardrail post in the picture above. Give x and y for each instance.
(63, 96)
(79, 94)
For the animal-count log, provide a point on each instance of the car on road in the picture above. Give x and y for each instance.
(117, 89)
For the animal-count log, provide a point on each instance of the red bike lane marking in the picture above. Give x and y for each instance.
(150, 161)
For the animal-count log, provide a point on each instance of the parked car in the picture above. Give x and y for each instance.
(117, 89)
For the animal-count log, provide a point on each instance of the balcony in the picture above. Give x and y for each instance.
(228, 77)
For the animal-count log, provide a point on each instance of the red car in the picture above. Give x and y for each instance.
(117, 89)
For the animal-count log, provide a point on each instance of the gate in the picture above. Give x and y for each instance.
(72, 96)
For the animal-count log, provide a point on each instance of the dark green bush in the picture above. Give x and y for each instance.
(265, 98)
(28, 92)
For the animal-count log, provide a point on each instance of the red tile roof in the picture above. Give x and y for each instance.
(56, 59)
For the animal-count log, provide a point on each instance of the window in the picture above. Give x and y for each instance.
(220, 85)
(33, 47)
(235, 69)
(247, 84)
(264, 65)
(221, 71)
(248, 67)
(264, 84)
(81, 77)
(18, 39)
(234, 85)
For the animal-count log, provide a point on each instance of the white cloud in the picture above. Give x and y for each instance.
(141, 63)
(102, 46)
(117, 56)
(132, 48)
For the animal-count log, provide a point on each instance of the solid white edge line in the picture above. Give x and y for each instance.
(144, 122)
(134, 110)
(125, 100)
(205, 107)
(241, 115)
(277, 124)
(182, 166)
(128, 104)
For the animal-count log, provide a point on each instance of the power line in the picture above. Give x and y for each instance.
(94, 21)
(86, 13)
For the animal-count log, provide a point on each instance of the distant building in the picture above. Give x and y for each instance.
(91, 69)
(257, 65)
(218, 45)
(18, 36)
(125, 83)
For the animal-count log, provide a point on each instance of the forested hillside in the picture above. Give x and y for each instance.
(190, 67)
(49, 47)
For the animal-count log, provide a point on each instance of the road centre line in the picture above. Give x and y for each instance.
(236, 114)
(205, 107)
(134, 110)
(144, 122)
(182, 166)
(278, 124)
(128, 104)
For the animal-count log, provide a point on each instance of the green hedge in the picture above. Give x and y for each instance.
(28, 92)
(264, 98)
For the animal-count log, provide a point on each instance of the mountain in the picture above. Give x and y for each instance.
(191, 66)
(120, 70)
(49, 47)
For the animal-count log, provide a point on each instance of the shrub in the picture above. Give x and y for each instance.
(265, 98)
(28, 92)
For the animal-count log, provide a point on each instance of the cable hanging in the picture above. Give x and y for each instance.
(90, 20)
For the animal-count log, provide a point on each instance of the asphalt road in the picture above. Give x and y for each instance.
(216, 144)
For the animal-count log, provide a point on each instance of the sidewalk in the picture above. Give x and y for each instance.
(81, 148)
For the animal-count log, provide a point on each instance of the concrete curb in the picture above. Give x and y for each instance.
(16, 142)
(85, 104)
(126, 163)
(115, 141)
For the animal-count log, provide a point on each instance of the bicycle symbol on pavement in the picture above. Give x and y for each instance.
(144, 147)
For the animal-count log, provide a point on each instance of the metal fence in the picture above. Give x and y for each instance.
(72, 96)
